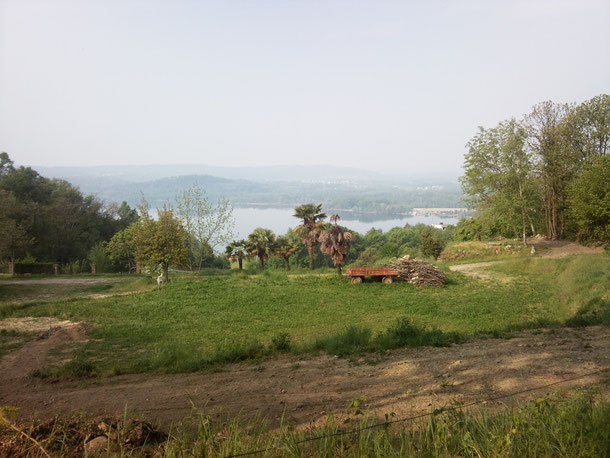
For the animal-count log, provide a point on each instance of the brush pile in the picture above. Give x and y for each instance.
(417, 272)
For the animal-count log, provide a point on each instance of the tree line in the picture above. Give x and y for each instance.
(548, 172)
(46, 220)
(332, 239)
(49, 220)
(316, 244)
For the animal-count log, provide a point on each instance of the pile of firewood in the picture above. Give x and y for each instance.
(418, 272)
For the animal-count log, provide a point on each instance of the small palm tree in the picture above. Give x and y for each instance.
(336, 242)
(236, 249)
(309, 231)
(286, 246)
(260, 243)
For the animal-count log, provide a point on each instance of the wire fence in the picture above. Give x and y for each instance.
(423, 415)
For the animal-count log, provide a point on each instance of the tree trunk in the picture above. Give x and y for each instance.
(551, 212)
(532, 226)
(339, 269)
(287, 263)
(310, 251)
(240, 262)
(165, 273)
(261, 261)
(523, 223)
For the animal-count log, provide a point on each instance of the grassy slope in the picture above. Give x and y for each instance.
(32, 291)
(192, 319)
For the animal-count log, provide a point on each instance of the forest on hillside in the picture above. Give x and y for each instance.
(548, 173)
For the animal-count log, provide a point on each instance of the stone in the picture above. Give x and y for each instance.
(96, 444)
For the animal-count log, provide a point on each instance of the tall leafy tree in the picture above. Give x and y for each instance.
(122, 248)
(208, 225)
(13, 236)
(161, 243)
(6, 164)
(500, 179)
(260, 243)
(550, 140)
(309, 231)
(589, 199)
(589, 125)
(335, 241)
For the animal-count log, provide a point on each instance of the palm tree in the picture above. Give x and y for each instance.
(260, 243)
(236, 249)
(335, 242)
(286, 246)
(312, 217)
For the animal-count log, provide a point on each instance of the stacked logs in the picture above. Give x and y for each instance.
(418, 272)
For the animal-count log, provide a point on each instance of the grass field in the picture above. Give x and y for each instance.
(198, 321)
(27, 289)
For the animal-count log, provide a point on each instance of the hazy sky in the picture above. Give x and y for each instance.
(389, 85)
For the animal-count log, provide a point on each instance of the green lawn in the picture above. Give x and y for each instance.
(27, 289)
(194, 321)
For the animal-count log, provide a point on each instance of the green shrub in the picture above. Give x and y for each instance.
(432, 244)
(281, 342)
(352, 340)
(596, 311)
(98, 255)
(405, 333)
(34, 268)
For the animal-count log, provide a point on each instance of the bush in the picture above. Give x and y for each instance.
(34, 268)
(368, 258)
(404, 333)
(432, 244)
(596, 311)
(354, 339)
(281, 342)
(98, 255)
(589, 201)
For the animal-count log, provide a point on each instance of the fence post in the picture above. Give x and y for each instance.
(94, 268)
(55, 269)
(11, 268)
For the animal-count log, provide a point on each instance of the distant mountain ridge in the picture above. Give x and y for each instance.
(303, 173)
(349, 192)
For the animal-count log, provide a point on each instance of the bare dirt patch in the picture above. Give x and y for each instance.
(477, 270)
(58, 281)
(550, 249)
(304, 391)
(34, 324)
(16, 367)
(561, 248)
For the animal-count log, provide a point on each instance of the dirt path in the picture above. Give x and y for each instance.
(59, 281)
(474, 270)
(406, 381)
(562, 248)
(552, 249)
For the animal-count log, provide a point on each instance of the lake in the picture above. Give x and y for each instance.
(279, 220)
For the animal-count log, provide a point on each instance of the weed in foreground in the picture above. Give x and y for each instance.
(575, 424)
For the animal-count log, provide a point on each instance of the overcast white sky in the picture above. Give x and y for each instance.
(389, 85)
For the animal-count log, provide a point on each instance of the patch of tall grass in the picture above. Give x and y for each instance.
(402, 333)
(574, 424)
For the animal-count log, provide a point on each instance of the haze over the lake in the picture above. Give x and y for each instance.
(394, 86)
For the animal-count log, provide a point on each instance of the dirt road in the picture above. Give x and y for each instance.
(406, 381)
(551, 249)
